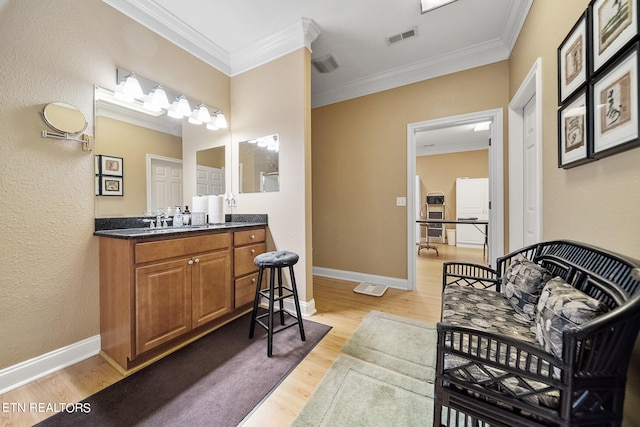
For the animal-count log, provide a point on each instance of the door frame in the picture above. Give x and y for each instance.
(496, 181)
(530, 87)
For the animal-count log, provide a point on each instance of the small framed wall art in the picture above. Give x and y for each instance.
(573, 132)
(112, 166)
(614, 96)
(111, 186)
(572, 60)
(614, 23)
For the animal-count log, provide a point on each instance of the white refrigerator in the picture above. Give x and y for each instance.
(472, 202)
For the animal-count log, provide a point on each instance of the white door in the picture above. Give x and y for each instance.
(531, 179)
(209, 180)
(165, 189)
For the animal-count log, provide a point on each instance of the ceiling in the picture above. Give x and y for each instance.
(237, 35)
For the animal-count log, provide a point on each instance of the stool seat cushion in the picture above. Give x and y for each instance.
(276, 259)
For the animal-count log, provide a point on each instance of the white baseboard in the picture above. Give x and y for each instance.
(392, 282)
(38, 367)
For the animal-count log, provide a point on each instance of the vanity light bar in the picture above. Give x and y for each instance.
(146, 96)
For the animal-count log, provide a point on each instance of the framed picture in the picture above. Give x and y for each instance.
(111, 186)
(614, 24)
(111, 166)
(574, 147)
(572, 60)
(614, 95)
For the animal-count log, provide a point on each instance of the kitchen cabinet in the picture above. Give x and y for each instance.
(157, 294)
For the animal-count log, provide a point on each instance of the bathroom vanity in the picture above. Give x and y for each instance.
(163, 288)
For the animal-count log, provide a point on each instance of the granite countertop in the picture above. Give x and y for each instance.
(137, 228)
(137, 233)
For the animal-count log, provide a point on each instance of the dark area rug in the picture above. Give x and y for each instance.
(214, 381)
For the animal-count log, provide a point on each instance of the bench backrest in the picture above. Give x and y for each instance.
(606, 276)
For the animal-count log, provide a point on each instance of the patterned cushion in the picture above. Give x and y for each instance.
(560, 307)
(489, 311)
(522, 283)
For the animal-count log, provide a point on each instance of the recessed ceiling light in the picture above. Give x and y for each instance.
(428, 5)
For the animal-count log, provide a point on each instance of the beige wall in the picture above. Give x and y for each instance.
(56, 50)
(598, 202)
(360, 165)
(275, 98)
(132, 143)
(439, 172)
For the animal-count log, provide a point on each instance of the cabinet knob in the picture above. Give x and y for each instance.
(197, 260)
(190, 262)
(253, 280)
(253, 251)
(253, 236)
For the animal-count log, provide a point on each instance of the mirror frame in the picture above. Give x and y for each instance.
(50, 120)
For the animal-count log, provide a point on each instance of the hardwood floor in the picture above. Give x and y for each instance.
(337, 305)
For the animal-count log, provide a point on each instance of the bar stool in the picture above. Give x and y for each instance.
(275, 261)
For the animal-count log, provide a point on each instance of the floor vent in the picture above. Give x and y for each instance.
(325, 64)
(402, 36)
(372, 289)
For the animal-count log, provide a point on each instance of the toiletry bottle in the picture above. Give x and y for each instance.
(177, 218)
(186, 216)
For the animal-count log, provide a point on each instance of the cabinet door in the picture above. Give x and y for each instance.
(212, 286)
(162, 303)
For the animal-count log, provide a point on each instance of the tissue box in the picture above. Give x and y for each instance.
(198, 218)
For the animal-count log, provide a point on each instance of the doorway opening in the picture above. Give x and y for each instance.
(496, 181)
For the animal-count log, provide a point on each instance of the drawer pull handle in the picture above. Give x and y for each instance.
(190, 262)
(253, 251)
(253, 280)
(253, 236)
(197, 260)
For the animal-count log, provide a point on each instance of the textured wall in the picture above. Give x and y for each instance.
(56, 50)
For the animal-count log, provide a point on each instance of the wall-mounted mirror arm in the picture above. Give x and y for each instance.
(68, 123)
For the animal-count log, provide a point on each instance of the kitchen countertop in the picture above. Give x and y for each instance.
(142, 233)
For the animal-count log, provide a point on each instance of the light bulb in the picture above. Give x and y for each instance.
(203, 114)
(159, 97)
(221, 122)
(183, 106)
(132, 87)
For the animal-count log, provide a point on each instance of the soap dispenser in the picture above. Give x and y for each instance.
(177, 218)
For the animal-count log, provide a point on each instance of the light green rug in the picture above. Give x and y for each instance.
(358, 393)
(385, 378)
(404, 345)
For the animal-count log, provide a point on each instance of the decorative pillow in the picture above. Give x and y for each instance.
(522, 283)
(561, 307)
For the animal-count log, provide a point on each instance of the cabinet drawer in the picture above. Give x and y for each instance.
(162, 249)
(243, 258)
(245, 289)
(248, 237)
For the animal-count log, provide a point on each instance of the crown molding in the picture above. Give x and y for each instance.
(515, 21)
(148, 13)
(463, 59)
(159, 20)
(295, 36)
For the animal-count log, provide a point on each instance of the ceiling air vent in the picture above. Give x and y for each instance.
(402, 36)
(325, 64)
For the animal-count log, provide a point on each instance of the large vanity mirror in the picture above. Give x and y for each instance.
(159, 157)
(259, 165)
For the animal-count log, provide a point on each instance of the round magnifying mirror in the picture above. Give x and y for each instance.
(64, 117)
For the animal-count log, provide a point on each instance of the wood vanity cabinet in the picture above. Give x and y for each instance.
(158, 294)
(247, 245)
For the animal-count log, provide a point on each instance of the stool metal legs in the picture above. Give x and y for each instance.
(270, 294)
